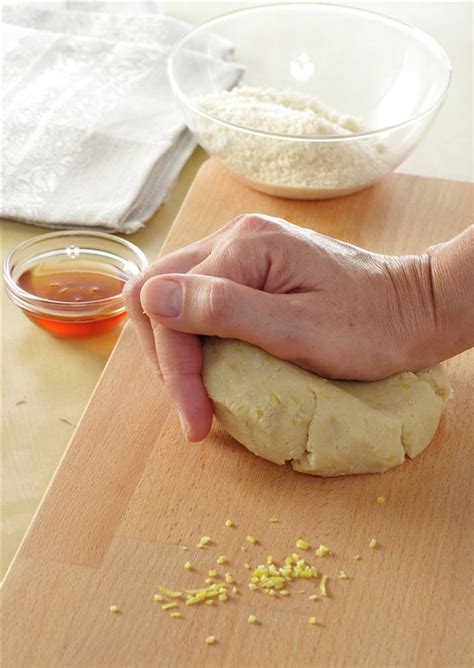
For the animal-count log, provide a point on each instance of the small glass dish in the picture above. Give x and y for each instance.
(70, 283)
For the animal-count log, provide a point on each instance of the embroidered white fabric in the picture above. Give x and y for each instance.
(92, 135)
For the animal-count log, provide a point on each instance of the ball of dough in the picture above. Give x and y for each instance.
(329, 428)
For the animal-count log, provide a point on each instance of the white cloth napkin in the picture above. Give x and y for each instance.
(92, 135)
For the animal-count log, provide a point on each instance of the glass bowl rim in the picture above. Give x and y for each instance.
(402, 25)
(31, 299)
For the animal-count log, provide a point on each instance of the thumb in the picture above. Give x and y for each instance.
(213, 306)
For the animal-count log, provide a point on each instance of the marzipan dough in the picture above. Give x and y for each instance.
(324, 427)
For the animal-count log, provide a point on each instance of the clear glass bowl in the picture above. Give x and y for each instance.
(389, 75)
(66, 254)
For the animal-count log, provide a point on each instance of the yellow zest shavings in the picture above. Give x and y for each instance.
(223, 597)
(374, 544)
(380, 499)
(204, 540)
(312, 620)
(275, 399)
(168, 606)
(229, 524)
(343, 576)
(187, 566)
(235, 590)
(210, 601)
(272, 579)
(176, 615)
(269, 559)
(247, 567)
(212, 572)
(313, 597)
(114, 608)
(157, 598)
(221, 560)
(302, 544)
(196, 596)
(229, 578)
(170, 593)
(252, 619)
(273, 519)
(210, 640)
(322, 585)
(356, 557)
(208, 581)
(284, 592)
(323, 551)
(251, 539)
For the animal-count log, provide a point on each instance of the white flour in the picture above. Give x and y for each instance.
(289, 167)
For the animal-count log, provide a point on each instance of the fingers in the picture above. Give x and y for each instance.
(180, 261)
(219, 307)
(181, 364)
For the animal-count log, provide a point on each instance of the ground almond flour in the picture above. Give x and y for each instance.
(289, 167)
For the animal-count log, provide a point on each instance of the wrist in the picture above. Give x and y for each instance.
(413, 312)
(452, 272)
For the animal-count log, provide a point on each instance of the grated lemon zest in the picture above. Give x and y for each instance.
(302, 544)
(373, 543)
(168, 606)
(114, 608)
(322, 585)
(323, 551)
(170, 593)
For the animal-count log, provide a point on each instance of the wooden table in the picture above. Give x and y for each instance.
(46, 382)
(130, 492)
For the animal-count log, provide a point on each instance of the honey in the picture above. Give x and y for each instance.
(75, 282)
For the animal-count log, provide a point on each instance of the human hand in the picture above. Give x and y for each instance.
(328, 306)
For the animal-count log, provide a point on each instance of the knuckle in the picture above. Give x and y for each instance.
(250, 223)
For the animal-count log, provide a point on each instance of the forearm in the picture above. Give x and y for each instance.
(452, 276)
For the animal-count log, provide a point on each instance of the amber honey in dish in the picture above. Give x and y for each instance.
(74, 282)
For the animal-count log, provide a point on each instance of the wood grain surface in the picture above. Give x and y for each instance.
(130, 492)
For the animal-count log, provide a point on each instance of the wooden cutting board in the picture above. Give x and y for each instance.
(130, 492)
